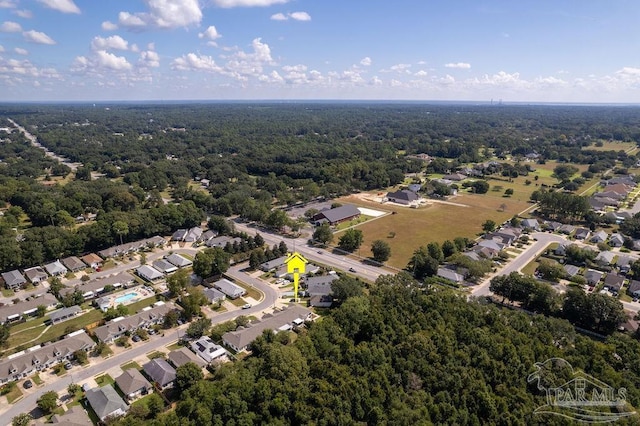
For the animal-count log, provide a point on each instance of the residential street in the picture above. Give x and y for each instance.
(99, 366)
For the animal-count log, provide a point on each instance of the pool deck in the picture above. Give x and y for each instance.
(109, 301)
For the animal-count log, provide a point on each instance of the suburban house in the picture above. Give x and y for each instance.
(181, 356)
(552, 226)
(160, 372)
(26, 307)
(571, 270)
(179, 261)
(222, 241)
(164, 266)
(283, 320)
(24, 363)
(613, 282)
(92, 288)
(455, 177)
(561, 249)
(230, 289)
(213, 295)
(405, 197)
(567, 229)
(623, 263)
(336, 215)
(55, 268)
(616, 240)
(149, 273)
(321, 301)
(581, 234)
(450, 275)
(320, 285)
(634, 288)
(36, 275)
(193, 235)
(13, 280)
(605, 258)
(207, 235)
(92, 260)
(133, 384)
(133, 247)
(273, 264)
(146, 318)
(530, 224)
(64, 314)
(74, 416)
(106, 402)
(593, 277)
(206, 349)
(179, 235)
(73, 263)
(599, 237)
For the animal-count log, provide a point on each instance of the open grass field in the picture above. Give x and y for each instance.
(612, 146)
(463, 217)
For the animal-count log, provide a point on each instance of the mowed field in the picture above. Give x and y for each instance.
(462, 216)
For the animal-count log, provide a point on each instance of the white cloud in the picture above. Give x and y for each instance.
(247, 3)
(111, 61)
(193, 62)
(37, 37)
(24, 13)
(300, 16)
(149, 58)
(279, 17)
(210, 34)
(21, 51)
(10, 27)
(163, 14)
(366, 61)
(294, 68)
(114, 42)
(375, 81)
(399, 68)
(109, 26)
(1, 48)
(296, 16)
(134, 48)
(460, 65)
(421, 73)
(8, 4)
(64, 6)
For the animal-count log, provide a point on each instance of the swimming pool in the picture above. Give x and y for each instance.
(125, 298)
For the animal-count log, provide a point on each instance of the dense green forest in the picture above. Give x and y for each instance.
(402, 355)
(255, 157)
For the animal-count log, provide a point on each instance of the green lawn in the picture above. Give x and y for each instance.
(137, 306)
(238, 302)
(13, 394)
(174, 346)
(156, 354)
(251, 291)
(7, 292)
(129, 365)
(104, 380)
(37, 380)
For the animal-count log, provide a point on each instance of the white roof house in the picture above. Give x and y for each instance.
(207, 349)
(230, 289)
(56, 268)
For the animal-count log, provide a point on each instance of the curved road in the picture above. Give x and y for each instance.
(78, 374)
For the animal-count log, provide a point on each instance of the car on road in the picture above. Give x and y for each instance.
(352, 270)
(28, 384)
(246, 306)
(319, 251)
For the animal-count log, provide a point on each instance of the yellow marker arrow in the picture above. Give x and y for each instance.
(296, 264)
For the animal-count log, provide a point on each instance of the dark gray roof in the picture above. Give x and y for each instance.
(160, 371)
(73, 263)
(272, 264)
(403, 195)
(213, 294)
(105, 401)
(320, 285)
(132, 381)
(183, 355)
(163, 266)
(65, 312)
(26, 306)
(571, 270)
(179, 261)
(13, 278)
(74, 416)
(339, 213)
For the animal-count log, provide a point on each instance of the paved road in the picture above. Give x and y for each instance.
(365, 271)
(515, 265)
(34, 142)
(78, 374)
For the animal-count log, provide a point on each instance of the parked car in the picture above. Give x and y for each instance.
(352, 270)
(28, 384)
(246, 306)
(68, 366)
(136, 338)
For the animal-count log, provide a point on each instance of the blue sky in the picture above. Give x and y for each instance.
(517, 51)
